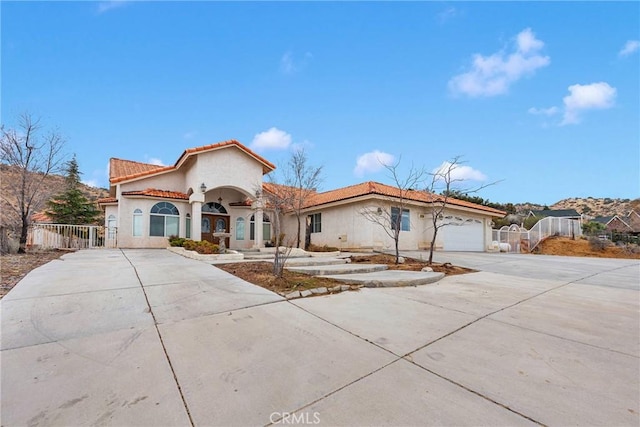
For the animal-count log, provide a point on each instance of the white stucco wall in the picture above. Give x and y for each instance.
(228, 167)
(344, 227)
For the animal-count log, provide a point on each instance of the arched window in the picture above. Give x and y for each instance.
(111, 226)
(213, 207)
(137, 223)
(187, 230)
(240, 228)
(165, 220)
(266, 228)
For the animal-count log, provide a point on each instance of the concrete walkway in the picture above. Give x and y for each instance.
(146, 337)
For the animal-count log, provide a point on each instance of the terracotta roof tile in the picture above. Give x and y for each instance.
(123, 170)
(376, 188)
(107, 200)
(41, 218)
(152, 192)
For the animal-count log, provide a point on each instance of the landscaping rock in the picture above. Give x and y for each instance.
(401, 260)
(305, 293)
(427, 269)
(345, 287)
(319, 291)
(337, 288)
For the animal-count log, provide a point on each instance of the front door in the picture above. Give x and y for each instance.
(214, 224)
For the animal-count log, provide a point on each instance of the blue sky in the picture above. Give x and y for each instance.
(542, 96)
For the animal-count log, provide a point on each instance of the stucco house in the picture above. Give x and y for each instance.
(217, 192)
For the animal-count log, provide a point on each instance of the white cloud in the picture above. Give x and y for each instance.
(631, 46)
(493, 75)
(105, 6)
(544, 111)
(153, 161)
(459, 172)
(91, 182)
(272, 139)
(594, 96)
(447, 14)
(373, 161)
(290, 65)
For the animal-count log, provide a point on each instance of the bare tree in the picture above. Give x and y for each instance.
(35, 153)
(278, 201)
(390, 216)
(302, 181)
(444, 180)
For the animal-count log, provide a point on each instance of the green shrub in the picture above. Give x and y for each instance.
(176, 241)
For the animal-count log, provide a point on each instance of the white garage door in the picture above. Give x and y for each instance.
(466, 237)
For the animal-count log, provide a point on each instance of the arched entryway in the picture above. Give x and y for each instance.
(215, 219)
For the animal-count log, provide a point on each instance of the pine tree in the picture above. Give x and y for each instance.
(72, 206)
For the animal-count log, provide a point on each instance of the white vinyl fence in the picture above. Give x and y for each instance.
(518, 239)
(64, 236)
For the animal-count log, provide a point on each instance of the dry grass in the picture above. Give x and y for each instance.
(13, 267)
(581, 247)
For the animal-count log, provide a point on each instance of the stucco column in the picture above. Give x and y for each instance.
(257, 223)
(196, 200)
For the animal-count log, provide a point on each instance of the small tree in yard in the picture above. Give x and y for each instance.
(35, 155)
(72, 207)
(278, 202)
(445, 180)
(390, 216)
(302, 180)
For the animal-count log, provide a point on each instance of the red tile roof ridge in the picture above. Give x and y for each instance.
(154, 192)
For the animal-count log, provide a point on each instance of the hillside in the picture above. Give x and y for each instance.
(593, 207)
(54, 184)
(590, 207)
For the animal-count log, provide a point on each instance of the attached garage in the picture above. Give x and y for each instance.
(463, 234)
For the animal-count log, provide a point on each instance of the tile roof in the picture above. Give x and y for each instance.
(124, 170)
(107, 200)
(127, 168)
(41, 218)
(376, 188)
(162, 194)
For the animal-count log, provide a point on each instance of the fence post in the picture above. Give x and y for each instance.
(90, 236)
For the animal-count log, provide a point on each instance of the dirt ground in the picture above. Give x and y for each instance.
(13, 267)
(260, 273)
(581, 247)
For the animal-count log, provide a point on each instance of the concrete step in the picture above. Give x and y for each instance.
(340, 269)
(300, 262)
(388, 278)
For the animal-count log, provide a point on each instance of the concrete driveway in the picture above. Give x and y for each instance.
(146, 337)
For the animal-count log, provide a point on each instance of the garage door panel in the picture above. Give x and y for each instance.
(469, 236)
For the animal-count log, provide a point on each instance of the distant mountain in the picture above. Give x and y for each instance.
(54, 184)
(590, 206)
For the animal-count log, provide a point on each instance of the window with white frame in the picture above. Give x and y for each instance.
(187, 231)
(137, 223)
(164, 220)
(266, 228)
(315, 223)
(240, 228)
(402, 219)
(111, 227)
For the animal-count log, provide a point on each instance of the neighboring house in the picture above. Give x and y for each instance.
(556, 213)
(613, 223)
(217, 191)
(629, 224)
